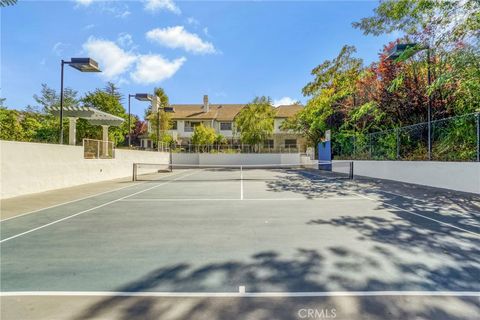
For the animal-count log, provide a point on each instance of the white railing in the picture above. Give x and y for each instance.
(98, 149)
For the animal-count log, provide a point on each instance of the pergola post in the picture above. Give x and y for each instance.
(105, 140)
(72, 131)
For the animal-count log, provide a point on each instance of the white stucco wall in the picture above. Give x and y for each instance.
(460, 176)
(236, 159)
(36, 167)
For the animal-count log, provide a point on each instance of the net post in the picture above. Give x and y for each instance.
(170, 164)
(351, 170)
(134, 175)
(478, 136)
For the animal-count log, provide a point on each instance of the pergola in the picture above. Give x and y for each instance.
(92, 115)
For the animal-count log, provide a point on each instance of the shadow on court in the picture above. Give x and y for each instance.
(448, 260)
(456, 208)
(389, 249)
(268, 268)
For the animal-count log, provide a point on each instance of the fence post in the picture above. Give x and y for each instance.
(478, 137)
(98, 149)
(369, 146)
(398, 143)
(354, 147)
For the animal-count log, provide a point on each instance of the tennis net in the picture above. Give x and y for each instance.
(222, 172)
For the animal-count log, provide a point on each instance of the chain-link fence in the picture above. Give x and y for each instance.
(98, 149)
(452, 139)
(235, 148)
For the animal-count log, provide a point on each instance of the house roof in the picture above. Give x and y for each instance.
(287, 111)
(223, 112)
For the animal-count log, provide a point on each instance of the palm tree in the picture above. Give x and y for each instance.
(160, 120)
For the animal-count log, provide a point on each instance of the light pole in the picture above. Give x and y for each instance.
(397, 51)
(156, 107)
(82, 65)
(139, 97)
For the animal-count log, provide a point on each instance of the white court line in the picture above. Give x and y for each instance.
(238, 294)
(421, 215)
(431, 204)
(244, 199)
(72, 201)
(88, 210)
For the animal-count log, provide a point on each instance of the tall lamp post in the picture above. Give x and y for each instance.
(156, 107)
(139, 97)
(82, 65)
(396, 52)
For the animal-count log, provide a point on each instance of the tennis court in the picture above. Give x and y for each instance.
(282, 238)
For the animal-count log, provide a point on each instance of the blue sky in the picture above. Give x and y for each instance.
(230, 50)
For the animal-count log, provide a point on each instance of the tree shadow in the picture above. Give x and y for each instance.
(306, 271)
(309, 184)
(405, 252)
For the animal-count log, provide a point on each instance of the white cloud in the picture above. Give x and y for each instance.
(85, 3)
(125, 39)
(58, 48)
(158, 5)
(154, 68)
(178, 37)
(113, 60)
(193, 21)
(88, 27)
(205, 31)
(124, 14)
(284, 101)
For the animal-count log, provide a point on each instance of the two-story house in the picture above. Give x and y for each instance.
(221, 117)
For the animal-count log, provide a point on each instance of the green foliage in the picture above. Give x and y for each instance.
(27, 126)
(203, 135)
(103, 101)
(166, 139)
(365, 117)
(50, 98)
(335, 77)
(161, 121)
(439, 22)
(220, 140)
(255, 122)
(112, 89)
(10, 126)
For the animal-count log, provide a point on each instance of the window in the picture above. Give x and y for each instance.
(174, 125)
(290, 143)
(268, 144)
(190, 126)
(225, 126)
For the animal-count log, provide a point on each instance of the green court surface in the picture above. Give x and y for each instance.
(278, 238)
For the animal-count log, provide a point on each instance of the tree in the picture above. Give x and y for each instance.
(203, 136)
(10, 127)
(105, 102)
(255, 122)
(161, 122)
(308, 124)
(49, 98)
(112, 89)
(332, 94)
(435, 22)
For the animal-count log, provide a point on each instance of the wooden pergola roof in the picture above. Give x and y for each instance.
(92, 115)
